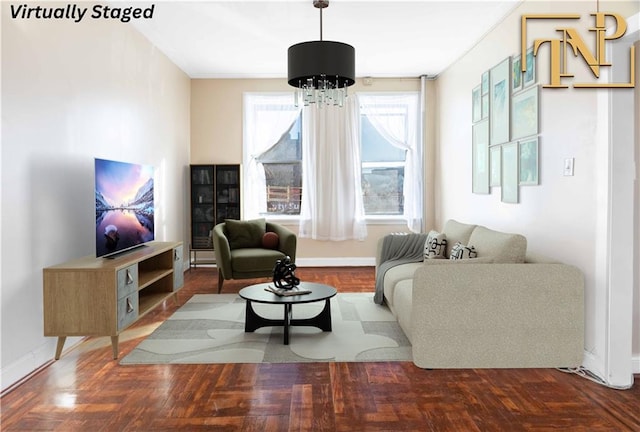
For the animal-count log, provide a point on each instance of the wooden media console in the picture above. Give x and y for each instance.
(92, 296)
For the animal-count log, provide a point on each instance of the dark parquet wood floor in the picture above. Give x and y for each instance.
(87, 391)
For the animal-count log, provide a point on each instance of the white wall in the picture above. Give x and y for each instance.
(70, 93)
(561, 216)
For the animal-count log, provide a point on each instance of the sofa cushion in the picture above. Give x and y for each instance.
(435, 246)
(501, 247)
(397, 274)
(462, 252)
(245, 234)
(457, 232)
(402, 299)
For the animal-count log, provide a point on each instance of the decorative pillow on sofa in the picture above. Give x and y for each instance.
(435, 246)
(245, 234)
(502, 247)
(457, 232)
(460, 251)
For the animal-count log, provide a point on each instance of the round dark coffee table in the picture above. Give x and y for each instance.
(256, 293)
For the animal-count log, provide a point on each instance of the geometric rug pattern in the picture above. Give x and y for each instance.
(209, 328)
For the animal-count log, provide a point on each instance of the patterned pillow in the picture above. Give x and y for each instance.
(435, 246)
(460, 251)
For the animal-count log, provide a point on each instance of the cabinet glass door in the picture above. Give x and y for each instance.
(202, 206)
(227, 192)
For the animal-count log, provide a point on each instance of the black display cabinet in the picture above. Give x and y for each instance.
(215, 196)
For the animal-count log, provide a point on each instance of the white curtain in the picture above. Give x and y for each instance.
(397, 118)
(266, 119)
(332, 207)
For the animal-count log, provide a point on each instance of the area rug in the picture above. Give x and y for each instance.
(209, 328)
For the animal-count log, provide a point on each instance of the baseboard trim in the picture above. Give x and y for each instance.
(594, 365)
(19, 382)
(336, 262)
(19, 371)
(322, 262)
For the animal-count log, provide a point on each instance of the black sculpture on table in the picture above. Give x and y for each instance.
(284, 274)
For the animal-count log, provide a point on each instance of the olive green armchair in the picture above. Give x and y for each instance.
(243, 251)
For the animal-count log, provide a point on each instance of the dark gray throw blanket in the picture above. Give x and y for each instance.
(397, 249)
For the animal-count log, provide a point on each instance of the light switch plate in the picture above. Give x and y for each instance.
(568, 166)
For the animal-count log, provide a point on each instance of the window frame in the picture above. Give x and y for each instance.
(372, 219)
(403, 110)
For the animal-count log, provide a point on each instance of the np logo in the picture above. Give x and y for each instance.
(570, 39)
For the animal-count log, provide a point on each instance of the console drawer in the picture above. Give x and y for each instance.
(127, 281)
(127, 310)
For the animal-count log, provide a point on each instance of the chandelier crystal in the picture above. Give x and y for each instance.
(321, 70)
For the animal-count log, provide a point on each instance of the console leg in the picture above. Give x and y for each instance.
(114, 346)
(59, 346)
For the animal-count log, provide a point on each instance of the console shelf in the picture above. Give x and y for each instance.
(150, 277)
(101, 297)
(148, 302)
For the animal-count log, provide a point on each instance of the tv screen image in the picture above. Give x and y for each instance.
(124, 206)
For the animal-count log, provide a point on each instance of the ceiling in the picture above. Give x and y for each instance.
(249, 39)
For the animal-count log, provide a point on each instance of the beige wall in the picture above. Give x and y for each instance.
(216, 137)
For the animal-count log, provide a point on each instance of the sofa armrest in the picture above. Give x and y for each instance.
(222, 251)
(497, 316)
(287, 240)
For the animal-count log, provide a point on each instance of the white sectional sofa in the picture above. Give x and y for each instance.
(503, 309)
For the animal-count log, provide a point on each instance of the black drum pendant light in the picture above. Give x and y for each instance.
(321, 70)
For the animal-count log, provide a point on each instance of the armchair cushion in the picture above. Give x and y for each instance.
(245, 234)
(251, 260)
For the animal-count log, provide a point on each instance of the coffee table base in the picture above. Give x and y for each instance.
(253, 321)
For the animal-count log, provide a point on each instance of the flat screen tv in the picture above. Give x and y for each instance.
(124, 206)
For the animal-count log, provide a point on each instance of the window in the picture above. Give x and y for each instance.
(382, 172)
(272, 155)
(282, 166)
(389, 131)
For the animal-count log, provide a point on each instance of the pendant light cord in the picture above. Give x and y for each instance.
(321, 23)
